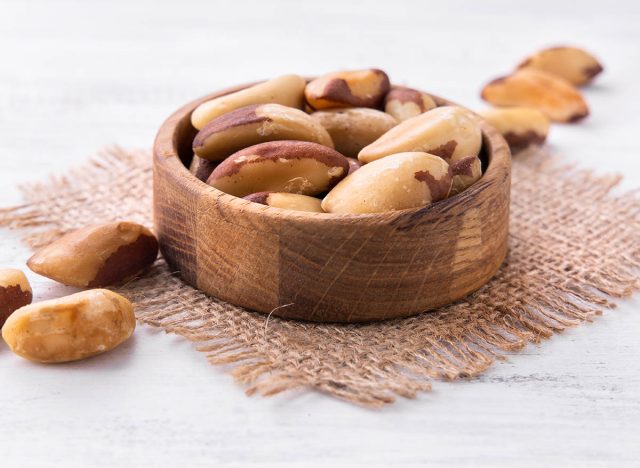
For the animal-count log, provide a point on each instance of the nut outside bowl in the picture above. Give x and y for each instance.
(328, 267)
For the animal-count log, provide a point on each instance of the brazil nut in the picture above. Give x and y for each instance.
(353, 129)
(404, 103)
(201, 168)
(70, 328)
(287, 201)
(255, 124)
(575, 65)
(15, 292)
(464, 173)
(354, 165)
(287, 90)
(357, 88)
(520, 126)
(97, 256)
(555, 97)
(280, 166)
(450, 132)
(396, 182)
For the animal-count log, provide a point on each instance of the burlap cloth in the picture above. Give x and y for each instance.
(574, 248)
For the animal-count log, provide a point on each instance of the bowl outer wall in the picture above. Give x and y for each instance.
(328, 267)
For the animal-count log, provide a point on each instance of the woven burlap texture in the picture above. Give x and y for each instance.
(574, 248)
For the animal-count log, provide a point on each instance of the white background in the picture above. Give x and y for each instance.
(75, 76)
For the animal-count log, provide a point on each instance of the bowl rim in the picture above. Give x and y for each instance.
(165, 153)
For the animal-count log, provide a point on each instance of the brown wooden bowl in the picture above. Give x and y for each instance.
(328, 267)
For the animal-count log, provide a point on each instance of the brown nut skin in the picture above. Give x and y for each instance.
(70, 328)
(280, 166)
(255, 124)
(396, 182)
(15, 292)
(356, 88)
(464, 173)
(286, 201)
(404, 103)
(575, 65)
(97, 256)
(555, 97)
(353, 129)
(450, 132)
(287, 90)
(520, 126)
(354, 165)
(201, 168)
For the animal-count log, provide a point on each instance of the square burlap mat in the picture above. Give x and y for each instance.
(574, 248)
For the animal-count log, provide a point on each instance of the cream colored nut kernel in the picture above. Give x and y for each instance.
(520, 126)
(201, 168)
(70, 328)
(450, 132)
(404, 103)
(464, 173)
(396, 182)
(280, 166)
(97, 256)
(287, 201)
(575, 65)
(357, 88)
(255, 124)
(15, 292)
(287, 90)
(555, 97)
(353, 129)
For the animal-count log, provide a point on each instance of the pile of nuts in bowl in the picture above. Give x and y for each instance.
(346, 142)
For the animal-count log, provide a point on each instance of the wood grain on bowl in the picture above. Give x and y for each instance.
(328, 267)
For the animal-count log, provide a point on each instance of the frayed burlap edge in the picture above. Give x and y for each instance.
(574, 249)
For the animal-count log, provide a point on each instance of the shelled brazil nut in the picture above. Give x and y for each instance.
(575, 65)
(450, 132)
(70, 328)
(287, 201)
(201, 168)
(404, 103)
(520, 126)
(312, 146)
(280, 166)
(464, 173)
(354, 165)
(15, 292)
(358, 88)
(97, 256)
(257, 123)
(354, 128)
(396, 182)
(529, 87)
(286, 90)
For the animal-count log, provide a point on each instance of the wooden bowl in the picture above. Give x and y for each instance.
(328, 267)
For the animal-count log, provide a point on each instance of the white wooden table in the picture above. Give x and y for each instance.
(78, 75)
